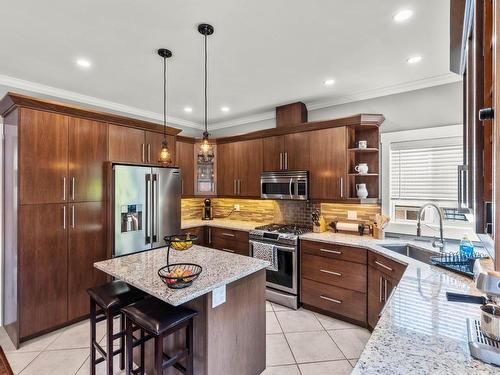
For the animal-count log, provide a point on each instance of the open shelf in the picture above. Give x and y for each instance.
(369, 149)
(364, 175)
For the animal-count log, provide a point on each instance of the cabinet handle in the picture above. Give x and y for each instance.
(143, 152)
(228, 234)
(384, 266)
(209, 236)
(286, 161)
(331, 251)
(149, 152)
(182, 186)
(281, 161)
(341, 187)
(228, 250)
(380, 290)
(73, 216)
(64, 217)
(331, 272)
(330, 299)
(64, 188)
(385, 290)
(73, 185)
(239, 187)
(234, 187)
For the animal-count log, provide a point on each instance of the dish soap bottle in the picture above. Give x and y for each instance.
(466, 248)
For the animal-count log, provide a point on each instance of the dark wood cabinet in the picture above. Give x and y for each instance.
(233, 241)
(126, 144)
(86, 245)
(272, 151)
(43, 157)
(153, 142)
(43, 268)
(227, 173)
(199, 232)
(88, 150)
(286, 152)
(328, 163)
(185, 161)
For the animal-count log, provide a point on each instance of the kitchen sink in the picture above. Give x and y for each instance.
(412, 252)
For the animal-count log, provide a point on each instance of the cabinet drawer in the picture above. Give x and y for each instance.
(334, 272)
(385, 265)
(228, 234)
(230, 245)
(351, 254)
(339, 301)
(197, 231)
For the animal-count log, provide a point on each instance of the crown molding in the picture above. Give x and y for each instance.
(370, 94)
(93, 101)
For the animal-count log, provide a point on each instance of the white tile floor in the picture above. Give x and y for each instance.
(298, 343)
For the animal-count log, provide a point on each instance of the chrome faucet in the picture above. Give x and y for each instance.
(436, 243)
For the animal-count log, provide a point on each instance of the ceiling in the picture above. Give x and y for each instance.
(263, 53)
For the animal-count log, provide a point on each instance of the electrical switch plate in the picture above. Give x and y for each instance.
(352, 215)
(218, 296)
(237, 207)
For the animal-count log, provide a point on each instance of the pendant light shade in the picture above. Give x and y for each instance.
(165, 157)
(206, 152)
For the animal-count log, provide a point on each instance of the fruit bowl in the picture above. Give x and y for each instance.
(181, 242)
(179, 275)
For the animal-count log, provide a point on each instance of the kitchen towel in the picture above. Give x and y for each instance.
(266, 251)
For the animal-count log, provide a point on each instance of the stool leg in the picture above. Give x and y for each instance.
(158, 355)
(189, 347)
(109, 350)
(122, 342)
(142, 353)
(92, 335)
(129, 346)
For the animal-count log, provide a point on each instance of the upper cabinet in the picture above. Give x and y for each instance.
(328, 163)
(43, 157)
(126, 144)
(185, 161)
(288, 152)
(153, 142)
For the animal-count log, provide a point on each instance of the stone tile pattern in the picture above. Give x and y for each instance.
(268, 211)
(298, 343)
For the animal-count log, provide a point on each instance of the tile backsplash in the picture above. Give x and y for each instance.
(268, 211)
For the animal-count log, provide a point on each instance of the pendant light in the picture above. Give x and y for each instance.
(206, 149)
(165, 158)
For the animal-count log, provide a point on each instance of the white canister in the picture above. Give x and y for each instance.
(361, 191)
(361, 168)
(362, 144)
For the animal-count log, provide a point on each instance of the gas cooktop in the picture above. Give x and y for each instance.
(285, 229)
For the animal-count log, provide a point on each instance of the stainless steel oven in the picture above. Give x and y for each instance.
(292, 185)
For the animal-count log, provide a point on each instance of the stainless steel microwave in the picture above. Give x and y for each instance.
(292, 185)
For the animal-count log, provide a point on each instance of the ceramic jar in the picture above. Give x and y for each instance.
(361, 191)
(361, 168)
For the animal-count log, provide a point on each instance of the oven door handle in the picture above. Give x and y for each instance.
(277, 246)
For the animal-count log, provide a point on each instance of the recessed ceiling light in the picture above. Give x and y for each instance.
(188, 109)
(328, 82)
(224, 109)
(414, 59)
(83, 63)
(402, 15)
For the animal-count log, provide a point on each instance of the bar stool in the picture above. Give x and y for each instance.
(158, 320)
(110, 297)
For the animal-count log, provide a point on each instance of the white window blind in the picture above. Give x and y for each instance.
(425, 170)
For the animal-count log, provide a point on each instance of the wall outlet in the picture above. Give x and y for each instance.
(237, 207)
(352, 215)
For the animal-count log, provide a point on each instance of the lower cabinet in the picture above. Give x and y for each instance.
(233, 241)
(198, 232)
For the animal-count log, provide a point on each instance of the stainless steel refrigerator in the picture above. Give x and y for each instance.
(147, 207)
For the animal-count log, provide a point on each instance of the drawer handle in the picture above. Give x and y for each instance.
(331, 251)
(228, 250)
(331, 272)
(228, 235)
(384, 266)
(330, 299)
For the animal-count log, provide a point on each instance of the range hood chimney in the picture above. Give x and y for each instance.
(291, 114)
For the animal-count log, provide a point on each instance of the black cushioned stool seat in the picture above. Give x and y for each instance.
(110, 297)
(159, 319)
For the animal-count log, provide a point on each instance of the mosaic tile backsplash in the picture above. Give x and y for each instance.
(268, 211)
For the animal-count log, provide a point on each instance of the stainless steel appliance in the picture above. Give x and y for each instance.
(147, 207)
(282, 284)
(207, 210)
(292, 185)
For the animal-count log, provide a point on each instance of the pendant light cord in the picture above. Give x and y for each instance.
(206, 84)
(165, 99)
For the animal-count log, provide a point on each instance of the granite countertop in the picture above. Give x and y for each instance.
(219, 268)
(221, 223)
(419, 331)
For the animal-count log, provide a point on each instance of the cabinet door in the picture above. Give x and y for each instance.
(249, 158)
(296, 157)
(273, 153)
(43, 269)
(380, 287)
(43, 157)
(227, 172)
(328, 163)
(86, 245)
(88, 150)
(126, 144)
(153, 147)
(185, 161)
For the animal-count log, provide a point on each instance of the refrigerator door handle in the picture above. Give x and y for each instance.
(154, 208)
(147, 223)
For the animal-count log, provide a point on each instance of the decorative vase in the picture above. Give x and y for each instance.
(361, 191)
(361, 168)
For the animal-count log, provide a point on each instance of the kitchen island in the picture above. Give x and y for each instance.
(229, 338)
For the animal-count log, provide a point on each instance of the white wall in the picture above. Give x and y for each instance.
(424, 108)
